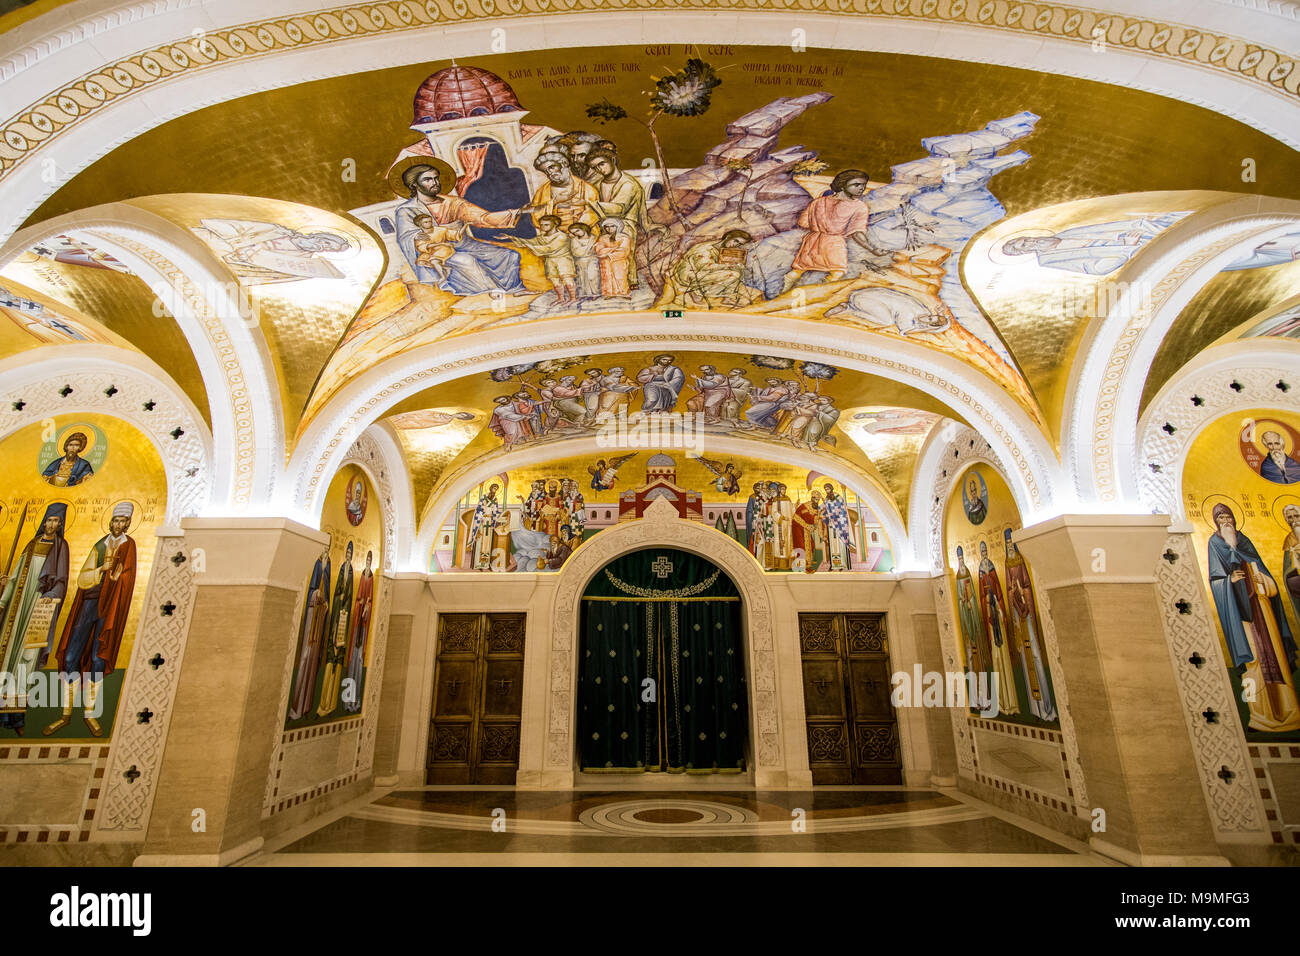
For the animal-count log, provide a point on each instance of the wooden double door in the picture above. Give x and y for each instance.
(852, 727)
(477, 699)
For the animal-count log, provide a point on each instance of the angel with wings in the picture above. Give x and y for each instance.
(726, 478)
(605, 473)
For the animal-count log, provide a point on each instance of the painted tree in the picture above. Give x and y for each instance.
(684, 93)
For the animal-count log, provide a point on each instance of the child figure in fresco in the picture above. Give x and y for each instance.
(614, 250)
(552, 247)
(433, 245)
(587, 266)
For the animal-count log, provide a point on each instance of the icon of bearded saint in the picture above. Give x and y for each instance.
(355, 499)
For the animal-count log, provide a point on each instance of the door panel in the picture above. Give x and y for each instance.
(852, 728)
(474, 727)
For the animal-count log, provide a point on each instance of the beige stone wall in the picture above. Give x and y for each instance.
(773, 604)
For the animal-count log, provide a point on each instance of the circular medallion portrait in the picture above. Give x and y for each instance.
(355, 500)
(73, 455)
(975, 497)
(1268, 446)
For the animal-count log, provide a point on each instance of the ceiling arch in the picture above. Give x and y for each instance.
(235, 51)
(1015, 436)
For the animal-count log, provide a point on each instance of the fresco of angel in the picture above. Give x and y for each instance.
(604, 473)
(726, 477)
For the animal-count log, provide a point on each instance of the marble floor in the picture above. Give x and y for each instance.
(889, 826)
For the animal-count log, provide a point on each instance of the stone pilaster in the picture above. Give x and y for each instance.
(248, 578)
(405, 698)
(1097, 574)
(917, 590)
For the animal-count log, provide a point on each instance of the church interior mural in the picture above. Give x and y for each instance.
(1002, 640)
(1248, 533)
(338, 606)
(84, 497)
(535, 413)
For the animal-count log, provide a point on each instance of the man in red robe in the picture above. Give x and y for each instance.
(810, 532)
(364, 605)
(833, 223)
(92, 635)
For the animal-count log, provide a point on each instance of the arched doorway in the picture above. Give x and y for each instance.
(661, 669)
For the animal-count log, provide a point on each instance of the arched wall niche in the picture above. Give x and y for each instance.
(233, 357)
(775, 692)
(69, 379)
(1100, 428)
(1015, 438)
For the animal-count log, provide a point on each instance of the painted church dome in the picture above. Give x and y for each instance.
(461, 91)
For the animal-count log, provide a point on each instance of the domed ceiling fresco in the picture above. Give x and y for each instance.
(984, 214)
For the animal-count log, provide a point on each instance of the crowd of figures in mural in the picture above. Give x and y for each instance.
(338, 607)
(332, 639)
(550, 401)
(997, 615)
(70, 579)
(1250, 598)
(539, 531)
(501, 221)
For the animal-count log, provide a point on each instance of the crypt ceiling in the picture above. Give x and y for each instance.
(1001, 203)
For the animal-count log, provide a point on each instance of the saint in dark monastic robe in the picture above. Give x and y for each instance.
(33, 594)
(336, 638)
(753, 514)
(1291, 557)
(1254, 625)
(360, 631)
(311, 638)
(993, 609)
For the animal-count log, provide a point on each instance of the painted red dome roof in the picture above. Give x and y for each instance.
(460, 91)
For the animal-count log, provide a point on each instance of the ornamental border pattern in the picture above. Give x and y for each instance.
(38, 123)
(95, 755)
(1115, 371)
(138, 745)
(226, 353)
(1234, 803)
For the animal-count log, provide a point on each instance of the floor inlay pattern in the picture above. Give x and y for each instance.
(510, 824)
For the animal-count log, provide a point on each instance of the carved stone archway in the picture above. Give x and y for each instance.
(776, 764)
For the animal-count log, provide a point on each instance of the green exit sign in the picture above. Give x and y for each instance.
(672, 313)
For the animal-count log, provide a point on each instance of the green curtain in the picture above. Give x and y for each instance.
(674, 618)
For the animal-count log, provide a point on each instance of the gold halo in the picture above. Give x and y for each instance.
(1284, 429)
(107, 516)
(1281, 503)
(1207, 509)
(446, 175)
(85, 428)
